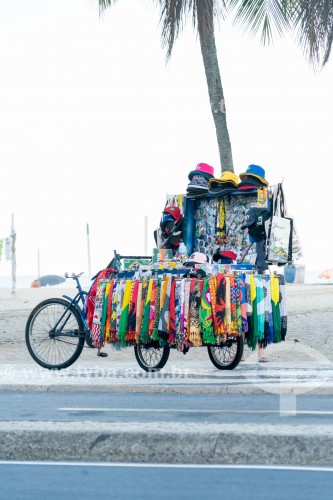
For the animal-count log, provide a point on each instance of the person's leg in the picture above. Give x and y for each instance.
(243, 357)
(101, 354)
(261, 354)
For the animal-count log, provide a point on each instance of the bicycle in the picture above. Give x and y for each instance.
(56, 329)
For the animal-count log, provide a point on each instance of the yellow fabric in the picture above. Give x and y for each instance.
(227, 305)
(180, 201)
(252, 288)
(127, 294)
(150, 289)
(275, 291)
(164, 288)
(107, 336)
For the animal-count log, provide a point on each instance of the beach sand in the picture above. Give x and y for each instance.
(309, 337)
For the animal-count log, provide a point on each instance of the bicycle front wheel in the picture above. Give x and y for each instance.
(151, 357)
(55, 334)
(227, 355)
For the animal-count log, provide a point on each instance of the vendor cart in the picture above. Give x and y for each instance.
(207, 284)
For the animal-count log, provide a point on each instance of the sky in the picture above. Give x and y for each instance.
(96, 128)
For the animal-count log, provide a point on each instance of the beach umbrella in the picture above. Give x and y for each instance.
(47, 280)
(327, 274)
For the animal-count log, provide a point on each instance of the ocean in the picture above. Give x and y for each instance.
(25, 282)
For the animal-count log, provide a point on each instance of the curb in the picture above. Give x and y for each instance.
(199, 388)
(154, 443)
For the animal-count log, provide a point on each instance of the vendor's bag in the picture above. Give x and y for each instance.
(279, 232)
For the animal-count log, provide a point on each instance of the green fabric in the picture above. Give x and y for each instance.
(144, 333)
(206, 315)
(276, 322)
(124, 313)
(252, 338)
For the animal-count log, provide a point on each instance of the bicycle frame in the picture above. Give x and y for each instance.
(80, 296)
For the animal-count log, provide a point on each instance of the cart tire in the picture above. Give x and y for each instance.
(226, 356)
(151, 357)
(57, 352)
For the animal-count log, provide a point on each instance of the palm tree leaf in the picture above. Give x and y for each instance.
(104, 4)
(265, 15)
(313, 20)
(174, 14)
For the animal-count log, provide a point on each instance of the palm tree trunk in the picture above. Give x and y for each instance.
(215, 91)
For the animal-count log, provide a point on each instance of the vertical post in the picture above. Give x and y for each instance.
(13, 242)
(38, 264)
(146, 235)
(88, 249)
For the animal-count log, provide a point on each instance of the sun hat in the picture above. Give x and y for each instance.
(226, 178)
(255, 171)
(225, 255)
(174, 212)
(197, 258)
(198, 182)
(250, 182)
(202, 169)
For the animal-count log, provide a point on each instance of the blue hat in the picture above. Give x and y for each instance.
(255, 171)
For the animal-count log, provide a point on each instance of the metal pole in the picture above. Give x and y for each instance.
(88, 248)
(38, 264)
(13, 241)
(146, 234)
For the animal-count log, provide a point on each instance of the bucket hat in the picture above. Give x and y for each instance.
(228, 178)
(202, 169)
(254, 171)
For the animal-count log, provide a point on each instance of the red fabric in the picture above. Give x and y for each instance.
(131, 331)
(172, 322)
(220, 304)
(90, 306)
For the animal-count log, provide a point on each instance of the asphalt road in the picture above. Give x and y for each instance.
(145, 407)
(31, 481)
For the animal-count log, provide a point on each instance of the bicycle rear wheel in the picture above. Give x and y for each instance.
(55, 348)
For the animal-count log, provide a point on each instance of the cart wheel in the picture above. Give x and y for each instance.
(151, 357)
(54, 348)
(227, 355)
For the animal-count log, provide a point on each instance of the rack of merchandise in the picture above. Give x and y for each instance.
(208, 283)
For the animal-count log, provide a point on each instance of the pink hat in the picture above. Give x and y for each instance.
(198, 258)
(202, 169)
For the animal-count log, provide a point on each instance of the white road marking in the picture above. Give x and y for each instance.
(171, 466)
(173, 410)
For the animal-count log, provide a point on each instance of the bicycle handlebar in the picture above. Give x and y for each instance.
(73, 275)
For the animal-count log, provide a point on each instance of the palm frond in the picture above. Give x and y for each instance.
(175, 13)
(313, 20)
(105, 4)
(265, 15)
